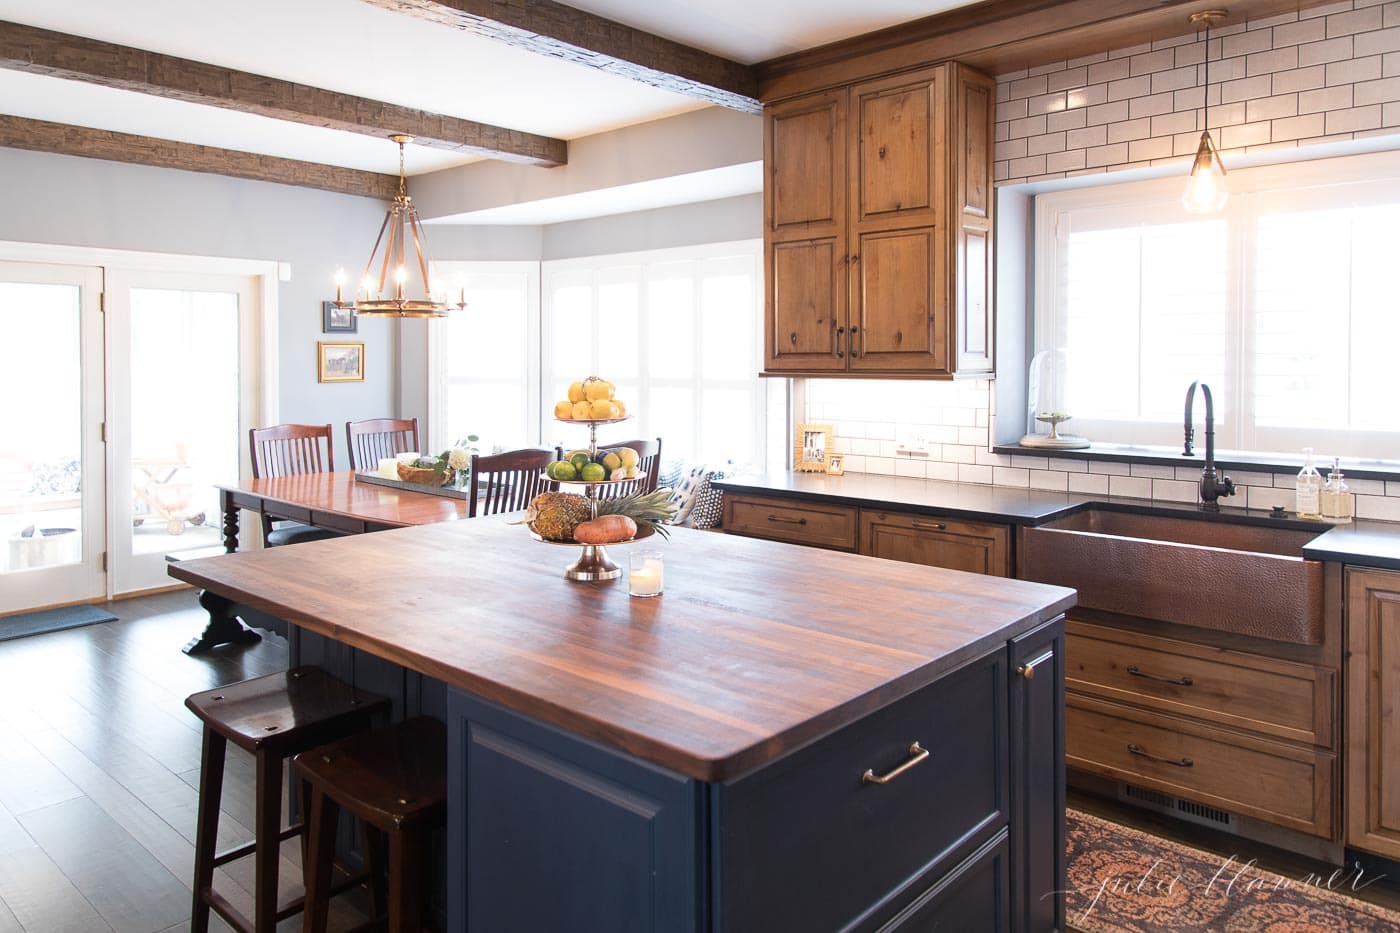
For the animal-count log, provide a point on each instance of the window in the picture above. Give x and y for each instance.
(1285, 304)
(484, 361)
(677, 331)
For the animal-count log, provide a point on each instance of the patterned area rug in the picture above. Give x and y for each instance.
(1121, 879)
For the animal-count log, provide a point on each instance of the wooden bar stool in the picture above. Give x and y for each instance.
(395, 781)
(274, 717)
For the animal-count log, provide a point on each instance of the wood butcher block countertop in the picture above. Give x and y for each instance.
(755, 649)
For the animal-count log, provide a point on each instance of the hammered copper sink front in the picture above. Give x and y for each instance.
(1245, 579)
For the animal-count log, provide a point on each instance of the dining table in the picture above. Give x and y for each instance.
(334, 500)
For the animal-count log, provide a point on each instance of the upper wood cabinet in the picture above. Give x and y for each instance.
(878, 227)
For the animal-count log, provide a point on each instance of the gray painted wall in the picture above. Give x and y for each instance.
(50, 198)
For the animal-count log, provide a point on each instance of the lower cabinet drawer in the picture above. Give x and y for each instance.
(1283, 784)
(973, 898)
(828, 526)
(976, 547)
(1285, 699)
(813, 845)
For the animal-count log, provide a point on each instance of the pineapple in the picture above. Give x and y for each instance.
(554, 515)
(650, 508)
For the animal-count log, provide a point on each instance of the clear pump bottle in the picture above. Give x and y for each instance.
(1308, 499)
(1336, 495)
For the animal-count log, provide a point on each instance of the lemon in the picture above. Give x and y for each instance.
(598, 391)
(576, 392)
(631, 472)
(581, 411)
(628, 456)
(592, 473)
(611, 461)
(602, 408)
(564, 411)
(621, 408)
(580, 459)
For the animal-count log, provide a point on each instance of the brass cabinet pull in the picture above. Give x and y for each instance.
(839, 352)
(931, 526)
(1174, 681)
(1026, 671)
(1174, 762)
(917, 753)
(787, 521)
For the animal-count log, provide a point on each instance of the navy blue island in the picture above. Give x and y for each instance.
(786, 740)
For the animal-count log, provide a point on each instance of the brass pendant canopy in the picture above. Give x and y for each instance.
(391, 267)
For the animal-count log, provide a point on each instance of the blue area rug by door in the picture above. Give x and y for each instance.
(51, 620)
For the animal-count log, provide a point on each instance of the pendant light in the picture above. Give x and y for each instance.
(1205, 190)
(400, 223)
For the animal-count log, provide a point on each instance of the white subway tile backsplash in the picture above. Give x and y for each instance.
(1152, 471)
(1353, 21)
(943, 472)
(1324, 99)
(1129, 130)
(1108, 467)
(1261, 63)
(907, 467)
(1329, 50)
(1134, 487)
(1171, 490)
(1093, 484)
(1271, 108)
(1069, 78)
(1384, 508)
(1300, 79)
(1049, 479)
(1303, 127)
(1112, 112)
(1010, 476)
(1264, 497)
(1357, 118)
(1087, 96)
(1353, 70)
(1375, 92)
(973, 473)
(1245, 42)
(1307, 30)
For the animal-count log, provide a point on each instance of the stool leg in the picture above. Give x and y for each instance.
(406, 882)
(321, 817)
(372, 842)
(206, 833)
(268, 846)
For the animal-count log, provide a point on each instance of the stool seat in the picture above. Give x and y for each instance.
(297, 533)
(290, 711)
(395, 781)
(388, 777)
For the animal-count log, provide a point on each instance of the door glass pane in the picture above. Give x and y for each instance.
(184, 415)
(41, 443)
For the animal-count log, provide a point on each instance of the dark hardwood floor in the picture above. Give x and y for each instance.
(99, 765)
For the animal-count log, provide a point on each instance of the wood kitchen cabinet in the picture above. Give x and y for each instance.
(977, 547)
(1373, 711)
(878, 225)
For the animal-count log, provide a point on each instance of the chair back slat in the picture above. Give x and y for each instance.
(507, 482)
(648, 469)
(290, 450)
(379, 438)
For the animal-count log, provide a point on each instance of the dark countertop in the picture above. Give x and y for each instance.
(1367, 543)
(755, 649)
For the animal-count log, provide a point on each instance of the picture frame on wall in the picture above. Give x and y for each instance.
(340, 362)
(811, 448)
(338, 320)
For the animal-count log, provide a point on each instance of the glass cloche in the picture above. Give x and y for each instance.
(1047, 408)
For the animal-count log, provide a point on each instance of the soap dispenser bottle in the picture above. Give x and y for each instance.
(1336, 496)
(1308, 497)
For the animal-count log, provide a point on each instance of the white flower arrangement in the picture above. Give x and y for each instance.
(459, 458)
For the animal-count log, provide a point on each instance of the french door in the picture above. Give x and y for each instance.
(182, 384)
(52, 470)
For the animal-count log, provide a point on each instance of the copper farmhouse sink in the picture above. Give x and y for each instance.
(1245, 579)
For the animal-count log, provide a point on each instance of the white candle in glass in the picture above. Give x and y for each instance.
(645, 576)
(389, 467)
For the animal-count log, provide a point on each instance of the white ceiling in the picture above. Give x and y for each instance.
(751, 31)
(355, 48)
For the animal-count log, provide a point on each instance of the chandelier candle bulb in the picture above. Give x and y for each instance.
(645, 571)
(339, 284)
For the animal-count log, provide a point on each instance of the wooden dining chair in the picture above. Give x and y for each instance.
(379, 438)
(507, 482)
(291, 450)
(648, 468)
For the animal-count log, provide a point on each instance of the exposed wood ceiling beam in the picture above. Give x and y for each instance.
(1000, 36)
(40, 51)
(559, 31)
(43, 136)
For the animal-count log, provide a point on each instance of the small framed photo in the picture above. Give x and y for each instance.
(338, 320)
(836, 465)
(811, 448)
(340, 362)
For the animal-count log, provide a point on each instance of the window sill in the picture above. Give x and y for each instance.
(1385, 470)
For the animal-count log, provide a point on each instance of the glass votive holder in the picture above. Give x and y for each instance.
(644, 573)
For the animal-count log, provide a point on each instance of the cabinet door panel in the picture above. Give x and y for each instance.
(1373, 711)
(1037, 668)
(806, 282)
(895, 139)
(806, 160)
(897, 287)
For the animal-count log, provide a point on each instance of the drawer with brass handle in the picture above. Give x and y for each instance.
(977, 547)
(814, 523)
(1278, 782)
(1268, 696)
(833, 817)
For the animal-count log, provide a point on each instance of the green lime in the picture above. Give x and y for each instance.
(579, 460)
(562, 470)
(592, 473)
